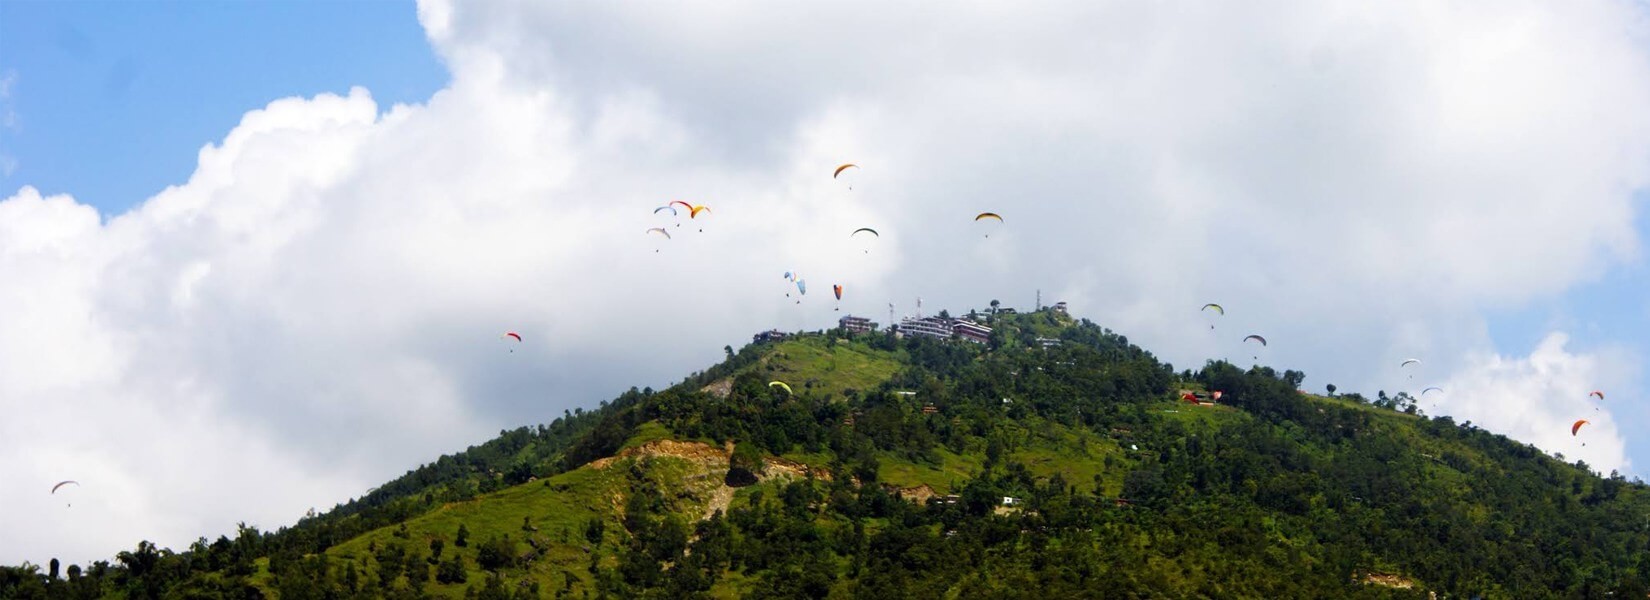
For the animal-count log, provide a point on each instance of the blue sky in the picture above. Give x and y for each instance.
(114, 99)
(1387, 166)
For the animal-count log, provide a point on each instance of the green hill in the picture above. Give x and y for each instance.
(924, 468)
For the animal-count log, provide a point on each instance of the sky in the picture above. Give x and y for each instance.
(259, 257)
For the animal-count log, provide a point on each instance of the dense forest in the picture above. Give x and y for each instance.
(1057, 460)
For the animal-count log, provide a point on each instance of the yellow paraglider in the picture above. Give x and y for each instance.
(781, 384)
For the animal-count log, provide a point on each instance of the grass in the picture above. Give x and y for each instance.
(1079, 456)
(646, 433)
(810, 365)
(952, 468)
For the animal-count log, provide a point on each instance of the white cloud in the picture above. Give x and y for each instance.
(319, 307)
(1537, 398)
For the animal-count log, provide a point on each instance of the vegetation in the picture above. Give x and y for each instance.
(943, 469)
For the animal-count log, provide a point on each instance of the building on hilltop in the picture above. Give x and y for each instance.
(1060, 307)
(771, 335)
(856, 324)
(934, 327)
(971, 331)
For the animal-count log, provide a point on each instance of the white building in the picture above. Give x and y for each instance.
(930, 326)
(971, 331)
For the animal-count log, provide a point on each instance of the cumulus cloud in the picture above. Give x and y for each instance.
(319, 306)
(1536, 399)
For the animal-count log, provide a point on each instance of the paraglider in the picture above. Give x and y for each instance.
(666, 207)
(842, 168)
(661, 231)
(1258, 339)
(988, 215)
(782, 385)
(1192, 398)
(1598, 394)
(838, 289)
(672, 207)
(693, 213)
(1408, 362)
(867, 230)
(1577, 426)
(1424, 392)
(1218, 310)
(511, 334)
(63, 483)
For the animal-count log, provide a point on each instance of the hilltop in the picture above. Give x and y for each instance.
(1046, 457)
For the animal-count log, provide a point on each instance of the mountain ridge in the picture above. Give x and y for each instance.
(1056, 457)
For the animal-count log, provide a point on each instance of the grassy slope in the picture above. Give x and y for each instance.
(810, 363)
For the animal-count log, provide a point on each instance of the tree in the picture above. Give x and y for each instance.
(593, 530)
(744, 465)
(436, 546)
(51, 572)
(994, 305)
(463, 536)
(496, 553)
(451, 570)
(1331, 388)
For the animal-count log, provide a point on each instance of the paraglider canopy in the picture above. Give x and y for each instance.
(838, 289)
(842, 168)
(866, 230)
(1217, 308)
(1424, 392)
(1577, 426)
(63, 483)
(665, 207)
(1257, 338)
(1409, 361)
(661, 231)
(1598, 394)
(685, 205)
(513, 334)
(782, 385)
(989, 215)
